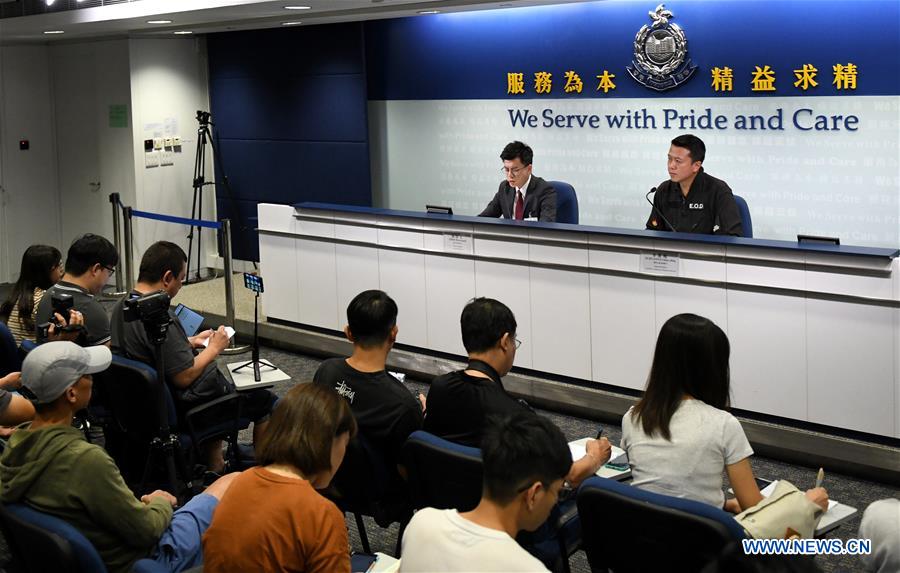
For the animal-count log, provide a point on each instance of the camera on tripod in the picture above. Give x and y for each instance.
(203, 117)
(153, 312)
(60, 303)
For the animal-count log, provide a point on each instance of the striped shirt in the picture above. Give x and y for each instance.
(15, 324)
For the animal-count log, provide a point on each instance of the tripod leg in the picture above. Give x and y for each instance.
(145, 477)
(199, 179)
(242, 366)
(199, 233)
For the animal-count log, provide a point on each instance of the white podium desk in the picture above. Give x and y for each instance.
(814, 329)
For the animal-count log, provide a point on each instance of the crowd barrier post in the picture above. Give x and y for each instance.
(114, 199)
(129, 238)
(229, 286)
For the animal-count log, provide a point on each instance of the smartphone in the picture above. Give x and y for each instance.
(762, 483)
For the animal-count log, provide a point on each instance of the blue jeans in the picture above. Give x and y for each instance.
(180, 546)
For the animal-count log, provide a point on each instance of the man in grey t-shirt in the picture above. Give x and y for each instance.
(190, 362)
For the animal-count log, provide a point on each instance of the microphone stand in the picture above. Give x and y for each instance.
(658, 212)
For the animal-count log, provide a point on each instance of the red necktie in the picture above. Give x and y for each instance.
(520, 206)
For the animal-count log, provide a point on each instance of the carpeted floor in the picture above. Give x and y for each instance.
(851, 491)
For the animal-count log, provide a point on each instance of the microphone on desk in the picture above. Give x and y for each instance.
(658, 212)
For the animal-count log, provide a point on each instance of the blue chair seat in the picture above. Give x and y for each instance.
(746, 220)
(10, 361)
(566, 202)
(627, 529)
(42, 542)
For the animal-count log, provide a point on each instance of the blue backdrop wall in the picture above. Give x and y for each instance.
(289, 108)
(468, 55)
(292, 107)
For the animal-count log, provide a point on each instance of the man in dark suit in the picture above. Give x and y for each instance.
(521, 195)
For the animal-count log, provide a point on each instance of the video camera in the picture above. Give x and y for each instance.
(60, 303)
(153, 312)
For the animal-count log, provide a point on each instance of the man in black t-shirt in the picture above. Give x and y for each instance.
(460, 403)
(190, 362)
(386, 412)
(90, 263)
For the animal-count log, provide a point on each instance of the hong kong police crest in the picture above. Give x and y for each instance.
(660, 53)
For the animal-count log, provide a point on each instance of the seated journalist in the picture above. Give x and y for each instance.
(526, 460)
(49, 466)
(692, 201)
(385, 410)
(90, 263)
(521, 195)
(190, 364)
(462, 403)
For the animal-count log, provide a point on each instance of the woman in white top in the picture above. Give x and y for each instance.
(680, 436)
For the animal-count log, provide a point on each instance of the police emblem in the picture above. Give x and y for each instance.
(660, 53)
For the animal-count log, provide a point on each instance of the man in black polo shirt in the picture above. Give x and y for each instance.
(90, 262)
(460, 403)
(386, 412)
(692, 201)
(190, 362)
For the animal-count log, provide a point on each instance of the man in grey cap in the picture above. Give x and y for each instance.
(50, 466)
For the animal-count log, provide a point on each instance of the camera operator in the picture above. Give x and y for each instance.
(90, 262)
(190, 369)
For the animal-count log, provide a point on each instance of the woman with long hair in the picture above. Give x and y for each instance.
(680, 436)
(272, 518)
(41, 269)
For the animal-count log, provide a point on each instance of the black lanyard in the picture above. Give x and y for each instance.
(487, 369)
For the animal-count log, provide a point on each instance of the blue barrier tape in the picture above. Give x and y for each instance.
(181, 220)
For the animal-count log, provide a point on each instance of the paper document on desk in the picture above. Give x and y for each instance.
(617, 456)
(228, 330)
(767, 491)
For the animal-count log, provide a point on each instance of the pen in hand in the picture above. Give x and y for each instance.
(820, 478)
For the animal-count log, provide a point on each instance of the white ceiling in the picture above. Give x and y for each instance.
(206, 16)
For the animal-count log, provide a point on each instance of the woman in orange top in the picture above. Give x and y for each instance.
(272, 518)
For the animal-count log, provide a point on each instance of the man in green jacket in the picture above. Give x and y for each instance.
(49, 466)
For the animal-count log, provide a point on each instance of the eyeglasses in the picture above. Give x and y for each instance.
(111, 270)
(515, 170)
(518, 342)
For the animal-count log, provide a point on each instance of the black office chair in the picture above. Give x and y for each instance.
(365, 485)
(445, 475)
(134, 439)
(40, 542)
(629, 530)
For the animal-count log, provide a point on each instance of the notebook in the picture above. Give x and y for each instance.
(617, 456)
